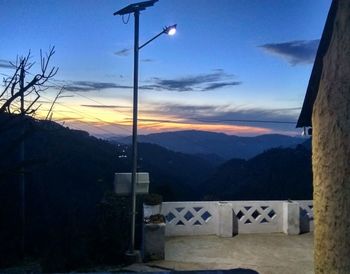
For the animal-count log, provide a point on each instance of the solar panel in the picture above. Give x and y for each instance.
(135, 7)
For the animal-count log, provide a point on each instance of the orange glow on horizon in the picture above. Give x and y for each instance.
(144, 128)
(109, 121)
(228, 129)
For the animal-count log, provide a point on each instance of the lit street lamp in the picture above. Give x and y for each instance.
(170, 30)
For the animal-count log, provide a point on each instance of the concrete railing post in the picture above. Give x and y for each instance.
(291, 218)
(225, 220)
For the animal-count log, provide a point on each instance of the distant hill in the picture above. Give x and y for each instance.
(175, 175)
(73, 219)
(216, 146)
(277, 174)
(68, 173)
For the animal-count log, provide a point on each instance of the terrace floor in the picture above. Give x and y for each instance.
(265, 253)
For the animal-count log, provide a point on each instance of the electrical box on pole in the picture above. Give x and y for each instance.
(122, 183)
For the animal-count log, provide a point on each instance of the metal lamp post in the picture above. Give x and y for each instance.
(171, 30)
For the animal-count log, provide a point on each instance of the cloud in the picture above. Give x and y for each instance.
(201, 82)
(123, 52)
(252, 116)
(106, 106)
(183, 111)
(295, 52)
(85, 86)
(281, 119)
(147, 60)
(218, 70)
(5, 64)
(220, 85)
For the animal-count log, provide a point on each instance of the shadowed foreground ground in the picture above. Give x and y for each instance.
(265, 253)
(243, 254)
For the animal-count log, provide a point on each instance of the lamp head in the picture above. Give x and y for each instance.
(171, 30)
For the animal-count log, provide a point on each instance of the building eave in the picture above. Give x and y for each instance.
(305, 117)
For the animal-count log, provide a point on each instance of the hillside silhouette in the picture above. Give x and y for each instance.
(276, 174)
(213, 146)
(72, 216)
(74, 220)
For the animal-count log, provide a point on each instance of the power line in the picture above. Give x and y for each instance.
(77, 93)
(217, 121)
(86, 97)
(90, 125)
(85, 114)
(244, 121)
(74, 126)
(177, 122)
(95, 101)
(82, 113)
(197, 119)
(83, 96)
(80, 121)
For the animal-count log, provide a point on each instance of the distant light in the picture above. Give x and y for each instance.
(171, 30)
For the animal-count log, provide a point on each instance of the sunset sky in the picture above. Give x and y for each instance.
(232, 66)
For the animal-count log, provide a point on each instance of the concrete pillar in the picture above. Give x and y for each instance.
(153, 242)
(291, 218)
(225, 220)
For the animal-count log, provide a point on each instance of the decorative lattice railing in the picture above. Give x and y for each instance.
(257, 217)
(233, 217)
(190, 218)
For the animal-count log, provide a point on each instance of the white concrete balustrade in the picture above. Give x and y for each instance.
(228, 218)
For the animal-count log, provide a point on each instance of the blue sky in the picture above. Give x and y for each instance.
(229, 60)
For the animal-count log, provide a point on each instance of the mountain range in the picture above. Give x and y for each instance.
(213, 146)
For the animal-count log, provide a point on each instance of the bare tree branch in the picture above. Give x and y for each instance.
(49, 114)
(16, 88)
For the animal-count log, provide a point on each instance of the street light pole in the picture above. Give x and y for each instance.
(136, 8)
(134, 132)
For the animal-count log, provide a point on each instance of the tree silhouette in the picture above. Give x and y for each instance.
(13, 104)
(17, 87)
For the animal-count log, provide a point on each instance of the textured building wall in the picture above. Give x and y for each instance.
(331, 152)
